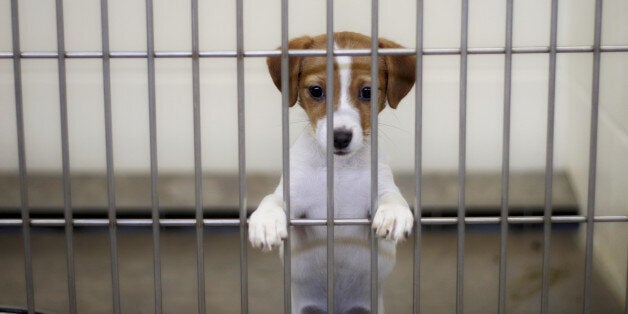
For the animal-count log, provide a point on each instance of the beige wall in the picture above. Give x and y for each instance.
(611, 239)
(218, 87)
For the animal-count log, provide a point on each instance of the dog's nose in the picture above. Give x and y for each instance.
(342, 139)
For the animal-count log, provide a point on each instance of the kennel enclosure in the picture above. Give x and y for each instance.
(18, 162)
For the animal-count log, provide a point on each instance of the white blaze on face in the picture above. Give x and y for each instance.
(346, 116)
(344, 73)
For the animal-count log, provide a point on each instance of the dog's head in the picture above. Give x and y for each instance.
(352, 86)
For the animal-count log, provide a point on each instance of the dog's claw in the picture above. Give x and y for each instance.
(393, 222)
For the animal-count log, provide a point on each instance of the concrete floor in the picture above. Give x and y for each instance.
(222, 250)
(222, 281)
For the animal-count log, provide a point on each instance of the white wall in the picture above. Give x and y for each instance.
(611, 245)
(218, 87)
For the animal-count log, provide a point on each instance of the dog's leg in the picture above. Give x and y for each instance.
(268, 224)
(393, 219)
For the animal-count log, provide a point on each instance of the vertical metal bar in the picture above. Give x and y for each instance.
(330, 156)
(244, 279)
(549, 160)
(65, 159)
(111, 198)
(285, 142)
(626, 296)
(152, 121)
(418, 155)
(462, 152)
(503, 250)
(374, 148)
(19, 119)
(595, 96)
(198, 170)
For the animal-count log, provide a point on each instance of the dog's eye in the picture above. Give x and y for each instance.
(316, 92)
(365, 93)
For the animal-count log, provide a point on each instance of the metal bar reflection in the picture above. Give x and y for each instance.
(25, 222)
(111, 201)
(198, 168)
(152, 121)
(595, 97)
(312, 52)
(244, 297)
(329, 153)
(374, 150)
(503, 251)
(462, 151)
(235, 222)
(418, 155)
(65, 159)
(549, 159)
(285, 142)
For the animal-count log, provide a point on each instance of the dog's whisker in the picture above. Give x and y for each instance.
(297, 122)
(394, 127)
(386, 137)
(294, 123)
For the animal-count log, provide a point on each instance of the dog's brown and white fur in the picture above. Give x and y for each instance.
(393, 220)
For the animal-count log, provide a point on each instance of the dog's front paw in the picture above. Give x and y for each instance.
(267, 227)
(393, 221)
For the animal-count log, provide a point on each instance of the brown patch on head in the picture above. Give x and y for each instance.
(294, 67)
(396, 76)
(314, 74)
(400, 71)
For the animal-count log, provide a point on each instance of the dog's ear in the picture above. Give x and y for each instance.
(274, 67)
(400, 71)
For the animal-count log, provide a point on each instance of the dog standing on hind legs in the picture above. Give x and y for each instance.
(393, 220)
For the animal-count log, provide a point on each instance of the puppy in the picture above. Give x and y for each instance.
(393, 220)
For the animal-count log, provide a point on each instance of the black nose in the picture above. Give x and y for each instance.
(342, 138)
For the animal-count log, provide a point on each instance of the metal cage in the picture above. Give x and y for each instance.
(547, 220)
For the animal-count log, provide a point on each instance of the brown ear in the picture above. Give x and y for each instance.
(274, 67)
(400, 71)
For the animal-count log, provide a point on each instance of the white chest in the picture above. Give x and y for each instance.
(352, 193)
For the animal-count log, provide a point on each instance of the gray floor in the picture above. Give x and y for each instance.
(438, 264)
(222, 250)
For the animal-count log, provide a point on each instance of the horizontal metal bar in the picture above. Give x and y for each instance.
(128, 55)
(613, 49)
(218, 54)
(311, 53)
(173, 54)
(441, 51)
(486, 50)
(39, 55)
(84, 55)
(227, 222)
